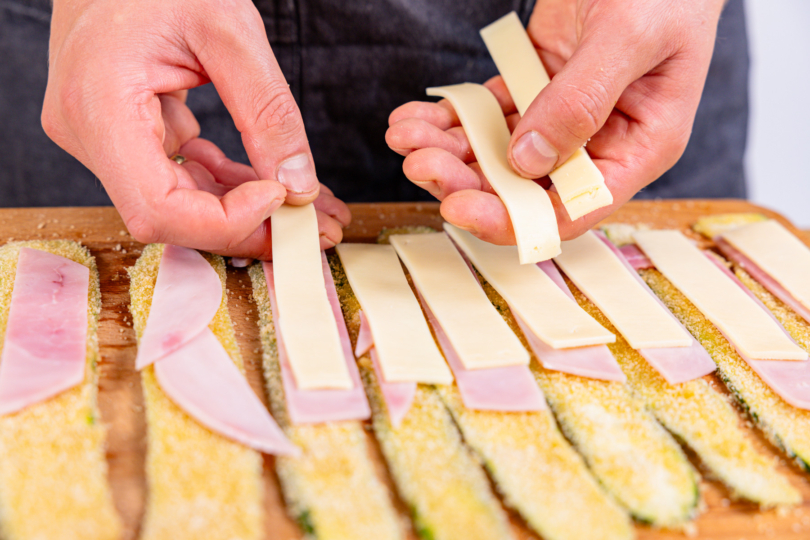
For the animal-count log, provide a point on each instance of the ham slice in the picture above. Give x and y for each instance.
(736, 256)
(203, 381)
(191, 366)
(635, 257)
(316, 406)
(505, 389)
(675, 364)
(45, 344)
(187, 295)
(594, 361)
(398, 396)
(790, 379)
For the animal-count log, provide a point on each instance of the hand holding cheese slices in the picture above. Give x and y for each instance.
(626, 79)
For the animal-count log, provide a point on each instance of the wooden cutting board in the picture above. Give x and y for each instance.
(121, 401)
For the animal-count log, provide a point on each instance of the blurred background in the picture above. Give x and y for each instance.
(778, 157)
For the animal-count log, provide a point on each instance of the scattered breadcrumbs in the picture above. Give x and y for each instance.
(332, 490)
(701, 416)
(629, 453)
(53, 472)
(786, 426)
(201, 484)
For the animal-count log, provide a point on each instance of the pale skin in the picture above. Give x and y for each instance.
(628, 75)
(627, 79)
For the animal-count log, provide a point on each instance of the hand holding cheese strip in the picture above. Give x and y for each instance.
(626, 78)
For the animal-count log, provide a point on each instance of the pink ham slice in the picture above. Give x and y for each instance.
(788, 378)
(635, 257)
(187, 295)
(45, 344)
(316, 406)
(736, 256)
(505, 389)
(398, 396)
(675, 364)
(593, 361)
(203, 381)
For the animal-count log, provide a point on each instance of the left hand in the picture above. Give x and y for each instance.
(627, 77)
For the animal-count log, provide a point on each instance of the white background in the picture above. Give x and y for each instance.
(778, 156)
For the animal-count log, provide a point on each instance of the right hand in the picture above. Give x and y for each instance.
(117, 80)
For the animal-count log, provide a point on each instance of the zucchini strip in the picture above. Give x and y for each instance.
(628, 452)
(698, 414)
(53, 471)
(526, 455)
(437, 476)
(201, 484)
(332, 489)
(786, 426)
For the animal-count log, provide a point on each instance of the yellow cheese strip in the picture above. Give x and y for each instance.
(550, 313)
(721, 300)
(528, 204)
(608, 283)
(776, 251)
(479, 335)
(405, 347)
(305, 315)
(579, 182)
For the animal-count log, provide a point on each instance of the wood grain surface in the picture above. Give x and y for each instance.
(121, 401)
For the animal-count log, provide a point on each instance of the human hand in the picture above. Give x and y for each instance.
(627, 77)
(116, 101)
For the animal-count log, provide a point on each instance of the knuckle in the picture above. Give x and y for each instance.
(141, 228)
(275, 111)
(584, 109)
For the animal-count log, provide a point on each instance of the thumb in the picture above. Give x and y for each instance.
(237, 57)
(570, 109)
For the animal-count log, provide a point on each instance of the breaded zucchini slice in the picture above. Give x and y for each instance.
(629, 453)
(53, 471)
(332, 490)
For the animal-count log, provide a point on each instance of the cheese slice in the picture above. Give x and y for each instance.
(528, 204)
(608, 283)
(778, 253)
(549, 313)
(747, 325)
(479, 335)
(405, 347)
(579, 182)
(305, 315)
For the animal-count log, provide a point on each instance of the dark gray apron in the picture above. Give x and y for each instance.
(349, 64)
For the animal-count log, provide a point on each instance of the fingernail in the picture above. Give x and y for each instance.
(297, 174)
(469, 228)
(533, 155)
(327, 243)
(238, 262)
(272, 208)
(431, 187)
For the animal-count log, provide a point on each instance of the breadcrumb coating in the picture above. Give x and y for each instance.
(786, 426)
(332, 489)
(201, 484)
(53, 472)
(701, 416)
(628, 452)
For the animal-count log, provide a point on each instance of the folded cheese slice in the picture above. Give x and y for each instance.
(315, 406)
(778, 253)
(528, 204)
(398, 396)
(615, 289)
(406, 350)
(579, 182)
(46, 334)
(306, 320)
(748, 327)
(543, 307)
(478, 334)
